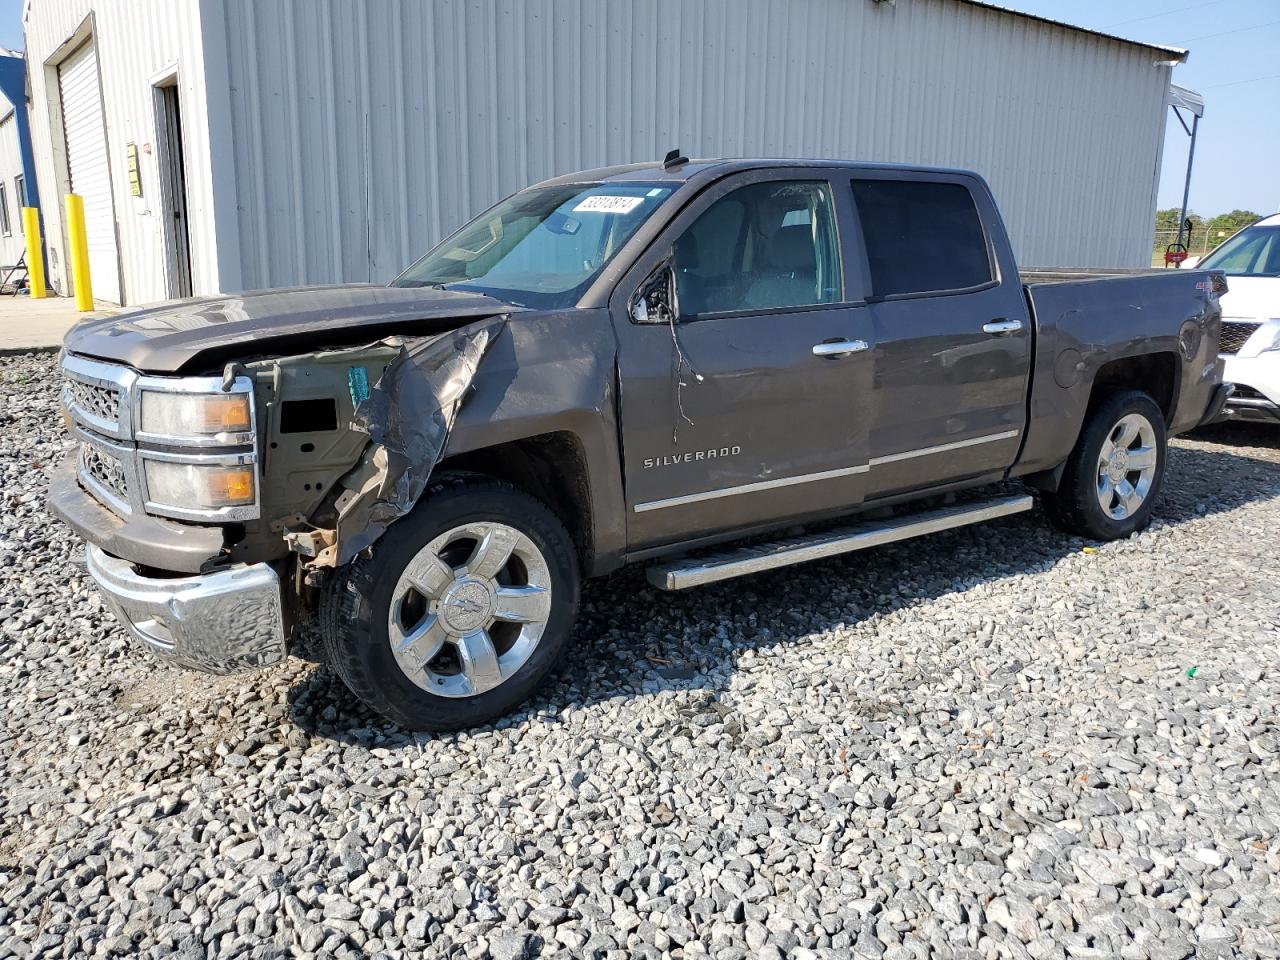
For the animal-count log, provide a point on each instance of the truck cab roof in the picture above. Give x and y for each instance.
(715, 168)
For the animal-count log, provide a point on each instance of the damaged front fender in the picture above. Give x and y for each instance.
(407, 415)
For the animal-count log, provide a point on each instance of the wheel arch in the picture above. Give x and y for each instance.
(1155, 374)
(550, 466)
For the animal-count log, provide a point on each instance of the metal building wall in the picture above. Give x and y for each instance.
(139, 42)
(363, 132)
(12, 244)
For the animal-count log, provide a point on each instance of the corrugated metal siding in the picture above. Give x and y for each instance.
(365, 132)
(137, 41)
(12, 245)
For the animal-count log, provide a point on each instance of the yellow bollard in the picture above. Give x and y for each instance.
(35, 261)
(79, 243)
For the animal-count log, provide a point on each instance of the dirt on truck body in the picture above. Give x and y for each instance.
(661, 363)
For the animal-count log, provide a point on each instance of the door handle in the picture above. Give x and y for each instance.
(997, 327)
(838, 348)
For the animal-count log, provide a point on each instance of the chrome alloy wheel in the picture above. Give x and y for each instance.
(1127, 466)
(469, 609)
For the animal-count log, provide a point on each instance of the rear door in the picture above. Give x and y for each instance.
(951, 327)
(745, 410)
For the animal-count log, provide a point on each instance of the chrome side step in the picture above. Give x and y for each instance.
(769, 555)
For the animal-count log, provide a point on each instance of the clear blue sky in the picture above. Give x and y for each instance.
(11, 24)
(1234, 63)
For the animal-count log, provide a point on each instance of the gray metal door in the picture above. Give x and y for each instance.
(737, 419)
(951, 329)
(950, 397)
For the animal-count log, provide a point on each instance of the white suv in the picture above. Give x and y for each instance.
(1251, 319)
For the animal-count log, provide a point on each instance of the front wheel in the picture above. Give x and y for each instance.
(1115, 472)
(461, 611)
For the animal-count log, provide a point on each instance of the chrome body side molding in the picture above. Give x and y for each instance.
(813, 477)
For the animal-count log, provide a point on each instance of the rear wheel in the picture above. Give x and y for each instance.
(463, 609)
(1115, 472)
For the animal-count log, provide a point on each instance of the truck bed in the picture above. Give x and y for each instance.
(1030, 275)
(1160, 324)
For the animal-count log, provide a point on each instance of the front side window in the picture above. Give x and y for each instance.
(1253, 252)
(541, 247)
(921, 237)
(767, 246)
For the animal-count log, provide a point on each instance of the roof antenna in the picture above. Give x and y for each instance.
(673, 159)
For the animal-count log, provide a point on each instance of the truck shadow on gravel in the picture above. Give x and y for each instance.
(634, 641)
(1240, 434)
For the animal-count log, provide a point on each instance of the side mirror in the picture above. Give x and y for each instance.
(655, 301)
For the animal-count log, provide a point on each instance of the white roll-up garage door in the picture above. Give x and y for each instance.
(87, 160)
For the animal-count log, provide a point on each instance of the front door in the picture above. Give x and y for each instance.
(951, 328)
(745, 409)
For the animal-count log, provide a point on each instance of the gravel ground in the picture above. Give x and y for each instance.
(994, 742)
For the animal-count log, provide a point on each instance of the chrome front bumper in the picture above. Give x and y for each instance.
(1257, 381)
(230, 621)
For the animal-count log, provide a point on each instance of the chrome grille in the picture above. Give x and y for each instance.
(99, 401)
(103, 400)
(1235, 333)
(105, 470)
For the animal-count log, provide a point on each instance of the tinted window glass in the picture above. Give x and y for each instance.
(921, 237)
(1252, 252)
(762, 247)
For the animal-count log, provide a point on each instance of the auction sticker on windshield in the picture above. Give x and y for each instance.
(605, 204)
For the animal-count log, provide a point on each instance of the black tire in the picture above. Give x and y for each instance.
(1076, 507)
(355, 605)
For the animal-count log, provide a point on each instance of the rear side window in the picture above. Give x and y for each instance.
(1253, 252)
(921, 237)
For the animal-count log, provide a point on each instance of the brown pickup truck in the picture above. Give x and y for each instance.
(659, 363)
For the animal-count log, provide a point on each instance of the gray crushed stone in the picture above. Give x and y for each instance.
(991, 743)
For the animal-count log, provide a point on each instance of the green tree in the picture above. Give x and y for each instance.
(1225, 224)
(1167, 221)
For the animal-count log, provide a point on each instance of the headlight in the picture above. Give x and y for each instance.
(1275, 340)
(200, 485)
(194, 414)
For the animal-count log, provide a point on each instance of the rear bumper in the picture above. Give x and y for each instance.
(229, 621)
(1221, 396)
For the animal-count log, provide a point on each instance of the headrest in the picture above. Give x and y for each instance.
(791, 249)
(687, 255)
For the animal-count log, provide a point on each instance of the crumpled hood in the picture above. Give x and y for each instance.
(184, 335)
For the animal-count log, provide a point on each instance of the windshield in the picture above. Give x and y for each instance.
(1253, 252)
(541, 247)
